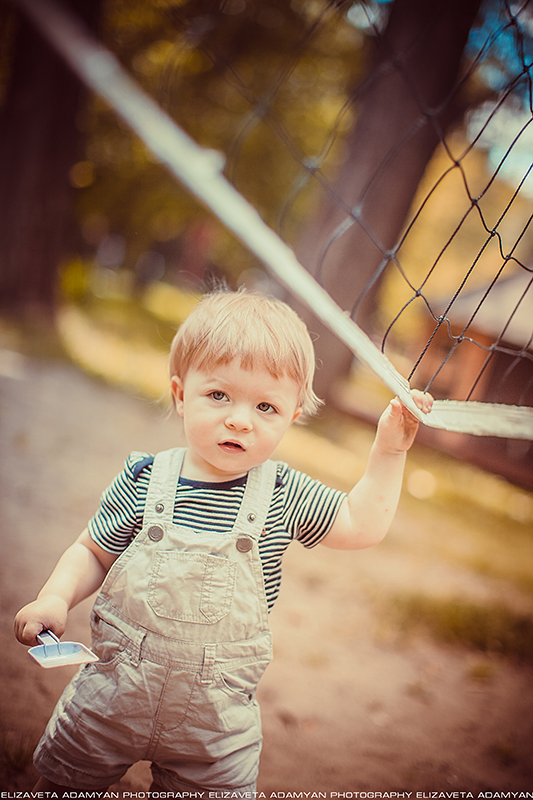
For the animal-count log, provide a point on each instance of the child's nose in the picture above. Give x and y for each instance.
(239, 419)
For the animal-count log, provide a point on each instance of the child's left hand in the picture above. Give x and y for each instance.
(397, 427)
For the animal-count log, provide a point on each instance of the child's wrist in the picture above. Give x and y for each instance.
(387, 451)
(47, 596)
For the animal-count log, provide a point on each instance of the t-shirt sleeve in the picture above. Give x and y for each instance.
(119, 517)
(311, 506)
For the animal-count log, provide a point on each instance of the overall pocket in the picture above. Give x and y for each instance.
(108, 642)
(191, 587)
(241, 682)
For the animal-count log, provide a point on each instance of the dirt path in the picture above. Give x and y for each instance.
(348, 706)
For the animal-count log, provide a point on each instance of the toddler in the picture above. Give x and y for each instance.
(186, 549)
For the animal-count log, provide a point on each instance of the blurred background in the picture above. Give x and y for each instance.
(389, 144)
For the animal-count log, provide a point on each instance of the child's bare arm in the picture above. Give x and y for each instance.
(78, 573)
(366, 514)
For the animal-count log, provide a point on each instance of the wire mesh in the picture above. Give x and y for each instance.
(455, 296)
(446, 289)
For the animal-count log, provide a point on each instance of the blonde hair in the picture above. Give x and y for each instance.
(257, 329)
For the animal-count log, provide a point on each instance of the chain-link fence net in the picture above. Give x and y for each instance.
(387, 143)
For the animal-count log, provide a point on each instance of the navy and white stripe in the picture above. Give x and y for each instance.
(302, 509)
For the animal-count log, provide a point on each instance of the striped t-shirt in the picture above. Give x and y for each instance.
(302, 509)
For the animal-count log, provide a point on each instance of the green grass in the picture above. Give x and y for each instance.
(462, 532)
(16, 751)
(491, 628)
(130, 320)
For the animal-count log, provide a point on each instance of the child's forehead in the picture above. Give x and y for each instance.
(229, 368)
(234, 371)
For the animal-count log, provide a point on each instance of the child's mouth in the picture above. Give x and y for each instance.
(232, 447)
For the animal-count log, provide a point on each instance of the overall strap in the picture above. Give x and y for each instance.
(256, 501)
(163, 486)
(254, 508)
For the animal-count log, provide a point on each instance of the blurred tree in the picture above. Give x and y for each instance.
(404, 107)
(244, 78)
(38, 146)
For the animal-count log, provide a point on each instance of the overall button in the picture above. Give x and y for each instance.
(160, 508)
(156, 533)
(244, 544)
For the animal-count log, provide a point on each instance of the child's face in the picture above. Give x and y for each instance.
(234, 418)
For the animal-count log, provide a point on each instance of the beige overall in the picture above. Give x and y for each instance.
(181, 629)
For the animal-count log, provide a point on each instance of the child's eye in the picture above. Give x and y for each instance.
(218, 396)
(266, 408)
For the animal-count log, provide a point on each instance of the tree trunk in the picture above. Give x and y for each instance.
(38, 146)
(388, 150)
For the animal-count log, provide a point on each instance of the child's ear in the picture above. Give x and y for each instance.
(297, 413)
(176, 387)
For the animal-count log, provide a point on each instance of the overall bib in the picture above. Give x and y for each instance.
(181, 629)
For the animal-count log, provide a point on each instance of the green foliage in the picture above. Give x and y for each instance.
(261, 82)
